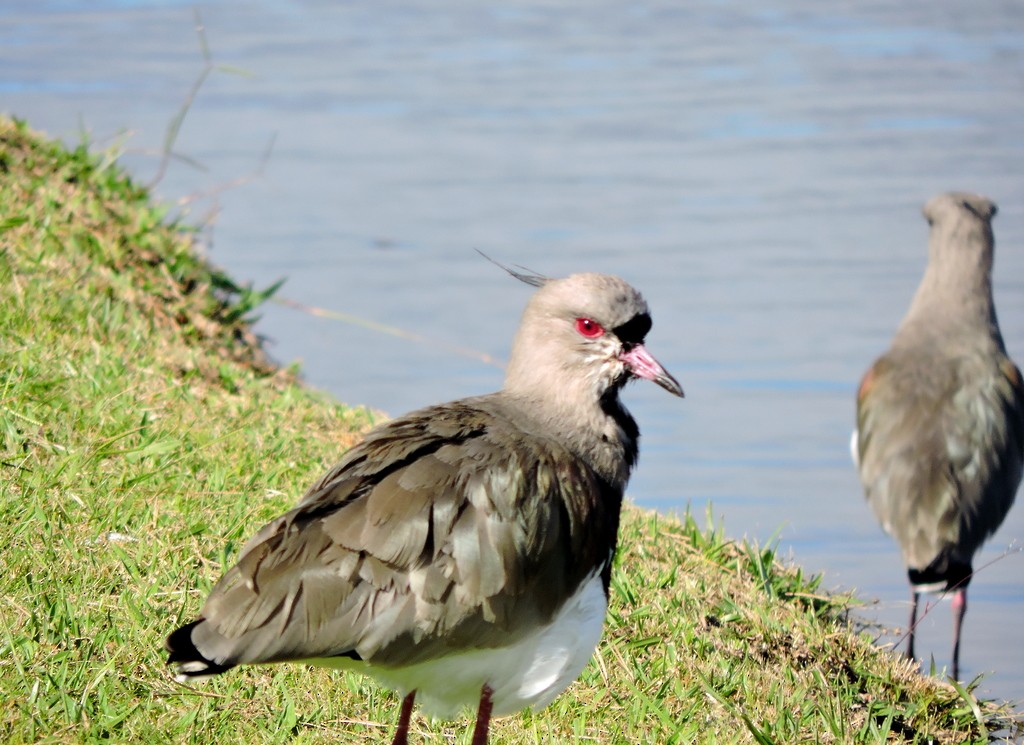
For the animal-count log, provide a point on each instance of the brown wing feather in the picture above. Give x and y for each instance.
(431, 536)
(940, 452)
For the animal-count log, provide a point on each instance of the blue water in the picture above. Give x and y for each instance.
(757, 170)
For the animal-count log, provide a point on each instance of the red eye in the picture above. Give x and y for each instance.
(589, 328)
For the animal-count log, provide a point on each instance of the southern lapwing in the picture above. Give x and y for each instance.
(940, 416)
(460, 554)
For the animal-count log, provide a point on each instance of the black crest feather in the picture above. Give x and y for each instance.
(528, 276)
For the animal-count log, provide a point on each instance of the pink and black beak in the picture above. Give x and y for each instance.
(642, 365)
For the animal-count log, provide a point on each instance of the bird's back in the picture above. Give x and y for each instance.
(940, 434)
(446, 529)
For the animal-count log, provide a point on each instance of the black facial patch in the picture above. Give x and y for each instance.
(634, 330)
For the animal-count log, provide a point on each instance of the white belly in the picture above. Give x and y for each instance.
(530, 673)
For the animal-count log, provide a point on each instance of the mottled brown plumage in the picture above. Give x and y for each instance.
(418, 541)
(458, 532)
(940, 416)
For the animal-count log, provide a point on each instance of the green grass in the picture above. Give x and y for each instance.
(143, 438)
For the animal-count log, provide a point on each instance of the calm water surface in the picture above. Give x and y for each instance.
(756, 169)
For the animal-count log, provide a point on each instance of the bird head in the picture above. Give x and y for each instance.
(583, 336)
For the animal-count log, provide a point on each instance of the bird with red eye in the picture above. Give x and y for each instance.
(589, 328)
(531, 476)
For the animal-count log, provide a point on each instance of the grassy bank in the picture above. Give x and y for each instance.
(143, 438)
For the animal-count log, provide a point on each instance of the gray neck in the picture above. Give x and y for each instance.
(602, 433)
(955, 293)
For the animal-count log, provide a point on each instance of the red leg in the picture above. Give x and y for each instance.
(402, 731)
(959, 611)
(483, 716)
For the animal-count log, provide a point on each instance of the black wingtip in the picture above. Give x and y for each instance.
(188, 661)
(526, 275)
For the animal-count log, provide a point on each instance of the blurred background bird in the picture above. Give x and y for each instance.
(940, 415)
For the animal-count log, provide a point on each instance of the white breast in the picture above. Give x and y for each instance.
(530, 673)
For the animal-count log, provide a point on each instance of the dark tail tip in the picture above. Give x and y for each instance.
(189, 662)
(942, 573)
